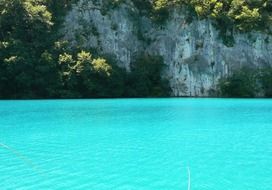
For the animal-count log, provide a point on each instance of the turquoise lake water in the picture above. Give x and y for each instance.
(136, 144)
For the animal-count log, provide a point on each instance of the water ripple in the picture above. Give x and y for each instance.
(137, 144)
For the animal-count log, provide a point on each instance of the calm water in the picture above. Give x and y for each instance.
(142, 144)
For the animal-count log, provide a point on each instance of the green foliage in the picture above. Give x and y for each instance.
(265, 77)
(101, 66)
(145, 79)
(247, 83)
(244, 15)
(34, 63)
(25, 37)
(240, 84)
(85, 76)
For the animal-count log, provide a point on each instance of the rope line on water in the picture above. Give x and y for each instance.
(189, 178)
(21, 157)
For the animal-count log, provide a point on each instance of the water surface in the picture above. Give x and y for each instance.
(144, 144)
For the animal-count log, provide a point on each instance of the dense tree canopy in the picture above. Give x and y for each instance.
(243, 14)
(247, 83)
(35, 63)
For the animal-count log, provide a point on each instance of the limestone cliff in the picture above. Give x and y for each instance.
(194, 53)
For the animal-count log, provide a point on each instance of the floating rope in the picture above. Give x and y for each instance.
(189, 179)
(20, 156)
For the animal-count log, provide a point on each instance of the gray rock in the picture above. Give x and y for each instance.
(195, 55)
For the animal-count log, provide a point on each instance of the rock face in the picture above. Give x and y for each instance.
(194, 53)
